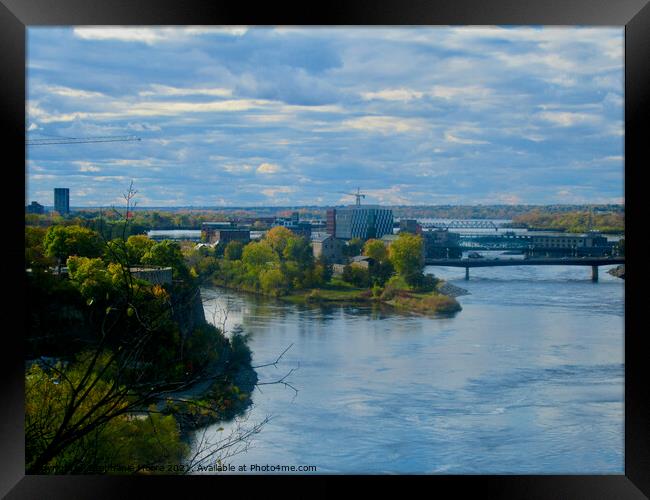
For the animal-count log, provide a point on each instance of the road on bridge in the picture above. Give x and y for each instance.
(594, 262)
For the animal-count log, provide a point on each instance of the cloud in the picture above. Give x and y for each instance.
(87, 167)
(237, 169)
(449, 114)
(471, 91)
(268, 168)
(401, 94)
(166, 90)
(70, 92)
(509, 199)
(272, 192)
(383, 124)
(569, 119)
(458, 140)
(151, 36)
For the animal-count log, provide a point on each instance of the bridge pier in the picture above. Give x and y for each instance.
(467, 273)
(594, 273)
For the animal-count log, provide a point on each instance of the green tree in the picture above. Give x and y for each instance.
(61, 242)
(376, 249)
(94, 407)
(168, 254)
(34, 250)
(356, 275)
(300, 251)
(137, 246)
(233, 250)
(272, 281)
(90, 276)
(257, 255)
(407, 257)
(353, 248)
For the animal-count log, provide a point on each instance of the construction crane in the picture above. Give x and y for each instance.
(81, 140)
(358, 195)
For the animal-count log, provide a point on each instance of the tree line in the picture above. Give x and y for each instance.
(107, 352)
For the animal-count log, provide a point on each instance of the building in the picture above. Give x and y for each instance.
(362, 261)
(35, 208)
(441, 244)
(362, 221)
(410, 226)
(294, 224)
(327, 247)
(330, 221)
(224, 233)
(592, 244)
(62, 200)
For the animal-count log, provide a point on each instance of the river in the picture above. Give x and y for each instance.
(527, 379)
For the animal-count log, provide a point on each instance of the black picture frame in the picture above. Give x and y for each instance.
(634, 15)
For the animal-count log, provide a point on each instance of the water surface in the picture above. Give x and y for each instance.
(527, 379)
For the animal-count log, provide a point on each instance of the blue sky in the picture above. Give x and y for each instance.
(247, 116)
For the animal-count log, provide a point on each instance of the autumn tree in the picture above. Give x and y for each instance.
(375, 249)
(278, 237)
(407, 257)
(381, 269)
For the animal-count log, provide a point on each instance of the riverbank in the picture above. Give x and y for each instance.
(441, 300)
(220, 393)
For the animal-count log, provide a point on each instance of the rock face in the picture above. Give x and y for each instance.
(618, 271)
(188, 310)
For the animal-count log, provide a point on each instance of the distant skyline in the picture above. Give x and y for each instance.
(244, 116)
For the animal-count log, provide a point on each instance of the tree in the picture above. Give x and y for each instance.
(88, 409)
(356, 275)
(376, 250)
(407, 257)
(278, 237)
(257, 255)
(34, 251)
(137, 246)
(233, 250)
(353, 248)
(167, 254)
(61, 242)
(272, 281)
(300, 251)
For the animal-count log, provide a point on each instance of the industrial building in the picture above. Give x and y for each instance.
(327, 247)
(359, 221)
(410, 226)
(592, 244)
(294, 224)
(62, 200)
(224, 233)
(441, 244)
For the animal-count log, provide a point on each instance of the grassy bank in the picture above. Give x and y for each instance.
(340, 292)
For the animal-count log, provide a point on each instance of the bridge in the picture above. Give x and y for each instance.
(594, 262)
(460, 224)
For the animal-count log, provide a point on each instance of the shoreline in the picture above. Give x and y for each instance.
(441, 300)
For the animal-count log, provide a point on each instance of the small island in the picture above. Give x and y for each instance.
(283, 265)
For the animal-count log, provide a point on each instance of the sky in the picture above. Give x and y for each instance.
(288, 116)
